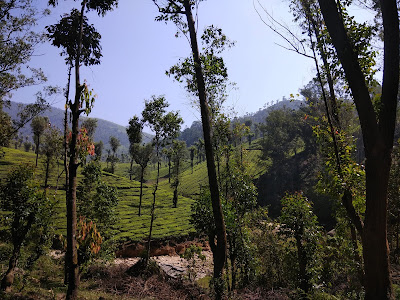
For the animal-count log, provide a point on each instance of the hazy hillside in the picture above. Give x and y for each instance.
(104, 130)
(261, 114)
(192, 134)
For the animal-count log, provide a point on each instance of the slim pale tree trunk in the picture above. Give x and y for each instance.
(153, 207)
(219, 255)
(66, 156)
(141, 189)
(378, 134)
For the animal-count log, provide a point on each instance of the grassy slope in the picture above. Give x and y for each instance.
(169, 221)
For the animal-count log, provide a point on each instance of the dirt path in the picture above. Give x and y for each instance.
(175, 266)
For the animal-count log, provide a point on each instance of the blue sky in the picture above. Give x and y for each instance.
(137, 51)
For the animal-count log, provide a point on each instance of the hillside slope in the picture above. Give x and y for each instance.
(169, 221)
(104, 130)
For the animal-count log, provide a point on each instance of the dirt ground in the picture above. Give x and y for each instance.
(175, 266)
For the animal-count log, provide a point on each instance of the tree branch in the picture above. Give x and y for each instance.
(354, 74)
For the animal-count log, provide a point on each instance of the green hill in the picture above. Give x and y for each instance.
(169, 222)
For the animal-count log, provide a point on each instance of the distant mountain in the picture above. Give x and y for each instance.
(262, 114)
(104, 130)
(193, 133)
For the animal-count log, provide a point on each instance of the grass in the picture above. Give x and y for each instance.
(169, 221)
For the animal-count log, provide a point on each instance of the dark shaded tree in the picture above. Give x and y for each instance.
(378, 132)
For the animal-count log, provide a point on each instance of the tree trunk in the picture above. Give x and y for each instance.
(378, 133)
(46, 176)
(131, 170)
(141, 190)
(219, 255)
(153, 207)
(303, 278)
(8, 279)
(72, 253)
(37, 149)
(376, 249)
(169, 170)
(66, 157)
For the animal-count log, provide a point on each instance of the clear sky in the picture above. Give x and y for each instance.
(137, 51)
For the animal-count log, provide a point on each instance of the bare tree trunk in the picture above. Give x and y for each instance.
(375, 245)
(153, 207)
(131, 170)
(37, 149)
(141, 190)
(72, 253)
(66, 157)
(47, 173)
(219, 255)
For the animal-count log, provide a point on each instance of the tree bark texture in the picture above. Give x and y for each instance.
(141, 189)
(219, 255)
(72, 253)
(378, 133)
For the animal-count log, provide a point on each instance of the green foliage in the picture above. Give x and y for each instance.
(241, 200)
(6, 128)
(20, 196)
(65, 34)
(213, 66)
(39, 125)
(29, 216)
(97, 201)
(165, 125)
(98, 149)
(88, 241)
(134, 130)
(101, 7)
(91, 125)
(18, 42)
(300, 223)
(51, 148)
(190, 256)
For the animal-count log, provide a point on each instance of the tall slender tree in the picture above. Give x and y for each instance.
(81, 44)
(180, 13)
(166, 126)
(377, 131)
